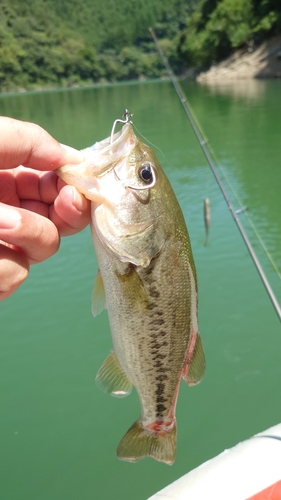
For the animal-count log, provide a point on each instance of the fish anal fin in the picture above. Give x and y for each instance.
(111, 378)
(98, 296)
(195, 361)
(140, 442)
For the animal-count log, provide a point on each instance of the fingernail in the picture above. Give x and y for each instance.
(72, 155)
(9, 219)
(74, 197)
(79, 201)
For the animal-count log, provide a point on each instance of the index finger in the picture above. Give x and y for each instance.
(28, 144)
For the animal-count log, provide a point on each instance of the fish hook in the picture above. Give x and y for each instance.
(125, 119)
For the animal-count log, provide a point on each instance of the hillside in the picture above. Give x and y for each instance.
(48, 44)
(68, 42)
(218, 28)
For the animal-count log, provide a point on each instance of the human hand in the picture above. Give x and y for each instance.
(36, 207)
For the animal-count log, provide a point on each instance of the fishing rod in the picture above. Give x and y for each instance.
(204, 146)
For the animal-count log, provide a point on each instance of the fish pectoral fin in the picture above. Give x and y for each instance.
(195, 363)
(140, 442)
(133, 289)
(98, 296)
(111, 378)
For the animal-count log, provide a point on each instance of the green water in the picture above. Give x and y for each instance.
(58, 432)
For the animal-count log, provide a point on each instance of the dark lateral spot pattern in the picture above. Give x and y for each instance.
(151, 305)
(153, 292)
(157, 321)
(158, 344)
(159, 356)
(161, 408)
(161, 378)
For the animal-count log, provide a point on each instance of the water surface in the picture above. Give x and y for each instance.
(58, 432)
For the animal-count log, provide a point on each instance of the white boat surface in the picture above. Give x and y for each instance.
(251, 470)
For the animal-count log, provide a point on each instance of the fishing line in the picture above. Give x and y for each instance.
(246, 214)
(149, 142)
(203, 143)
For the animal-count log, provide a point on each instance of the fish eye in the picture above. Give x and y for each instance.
(145, 172)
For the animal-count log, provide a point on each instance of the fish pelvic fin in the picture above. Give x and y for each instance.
(140, 442)
(98, 296)
(111, 378)
(195, 362)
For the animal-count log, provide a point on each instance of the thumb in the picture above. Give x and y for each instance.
(14, 267)
(28, 144)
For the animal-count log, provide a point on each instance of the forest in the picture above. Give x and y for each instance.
(62, 43)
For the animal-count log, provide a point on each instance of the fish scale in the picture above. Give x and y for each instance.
(147, 281)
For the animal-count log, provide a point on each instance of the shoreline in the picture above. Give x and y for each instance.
(22, 91)
(260, 62)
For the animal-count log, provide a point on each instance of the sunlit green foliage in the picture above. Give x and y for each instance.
(49, 43)
(216, 27)
(67, 42)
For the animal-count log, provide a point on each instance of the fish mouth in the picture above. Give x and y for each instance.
(112, 145)
(99, 159)
(79, 177)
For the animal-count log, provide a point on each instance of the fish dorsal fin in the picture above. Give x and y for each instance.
(195, 363)
(111, 378)
(98, 296)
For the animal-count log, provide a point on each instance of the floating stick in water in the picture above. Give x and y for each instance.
(207, 218)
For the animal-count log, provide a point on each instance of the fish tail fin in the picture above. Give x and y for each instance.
(140, 442)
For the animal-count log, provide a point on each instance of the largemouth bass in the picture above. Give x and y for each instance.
(147, 281)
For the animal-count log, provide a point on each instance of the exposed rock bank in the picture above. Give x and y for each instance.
(261, 62)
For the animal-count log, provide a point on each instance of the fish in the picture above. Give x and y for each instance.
(207, 218)
(147, 281)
